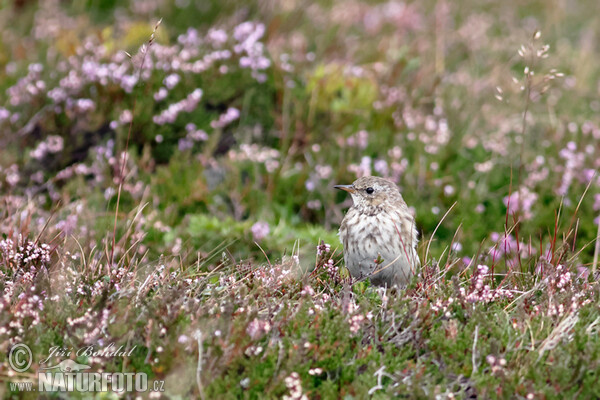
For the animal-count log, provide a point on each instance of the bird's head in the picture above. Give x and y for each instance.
(371, 192)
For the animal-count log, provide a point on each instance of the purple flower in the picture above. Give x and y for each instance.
(226, 118)
(259, 230)
(171, 81)
(257, 328)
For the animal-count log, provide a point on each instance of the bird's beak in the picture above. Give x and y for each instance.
(347, 188)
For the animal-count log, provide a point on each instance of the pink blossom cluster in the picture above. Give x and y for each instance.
(496, 364)
(260, 230)
(332, 270)
(443, 306)
(91, 325)
(537, 171)
(28, 87)
(257, 328)
(28, 252)
(356, 322)
(381, 167)
(390, 96)
(563, 278)
(353, 315)
(559, 307)
(520, 202)
(67, 82)
(359, 140)
(188, 104)
(104, 159)
(192, 136)
(255, 153)
(436, 134)
(404, 17)
(362, 169)
(398, 164)
(320, 302)
(226, 118)
(273, 276)
(4, 114)
(507, 245)
(25, 312)
(294, 385)
(252, 51)
(323, 248)
(574, 162)
(481, 292)
(53, 144)
(320, 172)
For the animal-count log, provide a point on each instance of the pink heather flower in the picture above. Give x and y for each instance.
(381, 167)
(84, 105)
(183, 339)
(260, 230)
(128, 82)
(248, 32)
(57, 95)
(185, 144)
(573, 164)
(257, 328)
(125, 117)
(4, 114)
(356, 322)
(323, 248)
(294, 385)
(198, 135)
(521, 200)
(67, 226)
(363, 169)
(360, 140)
(226, 118)
(217, 37)
(188, 104)
(449, 190)
(54, 143)
(323, 171)
(456, 246)
(161, 94)
(171, 81)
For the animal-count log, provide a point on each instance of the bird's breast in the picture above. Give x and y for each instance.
(369, 234)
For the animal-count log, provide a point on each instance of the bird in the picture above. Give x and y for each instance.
(378, 233)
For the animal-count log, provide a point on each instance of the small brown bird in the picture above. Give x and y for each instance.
(379, 233)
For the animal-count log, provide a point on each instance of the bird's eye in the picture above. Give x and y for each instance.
(370, 190)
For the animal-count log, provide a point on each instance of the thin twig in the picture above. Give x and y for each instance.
(474, 351)
(596, 250)
(144, 50)
(435, 230)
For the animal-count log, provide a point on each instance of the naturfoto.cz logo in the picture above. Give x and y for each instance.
(71, 376)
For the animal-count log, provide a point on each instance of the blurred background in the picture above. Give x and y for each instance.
(245, 114)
